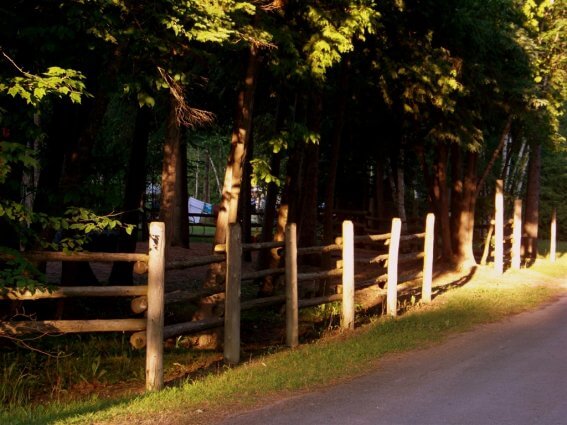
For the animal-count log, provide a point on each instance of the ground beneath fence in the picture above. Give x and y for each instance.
(187, 279)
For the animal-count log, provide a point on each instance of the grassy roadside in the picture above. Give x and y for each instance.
(486, 298)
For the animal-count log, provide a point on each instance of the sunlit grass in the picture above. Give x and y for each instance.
(486, 298)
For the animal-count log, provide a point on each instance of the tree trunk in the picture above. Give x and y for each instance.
(78, 157)
(531, 219)
(380, 212)
(245, 203)
(308, 211)
(440, 198)
(181, 206)
(228, 211)
(197, 173)
(207, 183)
(77, 163)
(401, 191)
(336, 138)
(464, 224)
(283, 216)
(59, 135)
(171, 161)
(457, 187)
(269, 212)
(134, 190)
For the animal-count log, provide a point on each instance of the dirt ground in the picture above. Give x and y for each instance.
(176, 279)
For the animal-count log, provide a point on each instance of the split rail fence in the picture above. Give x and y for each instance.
(150, 331)
(508, 234)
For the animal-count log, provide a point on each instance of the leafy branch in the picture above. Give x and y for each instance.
(55, 81)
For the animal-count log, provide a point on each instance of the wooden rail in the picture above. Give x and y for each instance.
(76, 291)
(39, 256)
(149, 298)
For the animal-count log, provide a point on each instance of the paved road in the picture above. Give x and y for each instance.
(514, 372)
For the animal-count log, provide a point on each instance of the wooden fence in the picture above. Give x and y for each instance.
(345, 270)
(508, 234)
(148, 298)
(150, 332)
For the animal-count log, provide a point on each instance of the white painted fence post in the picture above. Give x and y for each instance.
(392, 293)
(232, 294)
(347, 316)
(517, 235)
(154, 327)
(291, 302)
(499, 228)
(553, 236)
(428, 258)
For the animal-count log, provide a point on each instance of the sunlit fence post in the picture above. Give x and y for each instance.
(428, 258)
(154, 330)
(499, 228)
(291, 301)
(232, 294)
(553, 236)
(347, 316)
(392, 292)
(517, 235)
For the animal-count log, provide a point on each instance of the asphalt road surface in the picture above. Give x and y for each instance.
(513, 372)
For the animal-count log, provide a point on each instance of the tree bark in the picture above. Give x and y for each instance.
(401, 190)
(181, 206)
(245, 202)
(283, 215)
(171, 161)
(464, 224)
(269, 212)
(336, 138)
(531, 219)
(134, 190)
(228, 211)
(207, 178)
(78, 157)
(379, 190)
(440, 198)
(308, 207)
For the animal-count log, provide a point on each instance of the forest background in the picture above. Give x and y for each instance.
(394, 107)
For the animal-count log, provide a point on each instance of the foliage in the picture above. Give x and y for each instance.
(18, 273)
(14, 153)
(73, 232)
(335, 32)
(55, 81)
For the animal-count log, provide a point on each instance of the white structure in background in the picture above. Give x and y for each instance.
(198, 207)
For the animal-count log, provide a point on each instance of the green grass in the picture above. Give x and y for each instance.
(486, 298)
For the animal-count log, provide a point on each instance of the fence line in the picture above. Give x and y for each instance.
(150, 332)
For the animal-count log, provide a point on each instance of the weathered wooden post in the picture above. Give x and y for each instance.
(291, 302)
(499, 228)
(517, 235)
(347, 314)
(154, 329)
(553, 236)
(232, 294)
(428, 258)
(392, 294)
